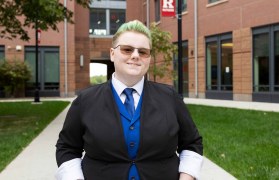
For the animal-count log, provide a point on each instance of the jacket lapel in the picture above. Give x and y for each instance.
(110, 105)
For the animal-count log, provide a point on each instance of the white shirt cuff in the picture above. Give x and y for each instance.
(70, 170)
(190, 163)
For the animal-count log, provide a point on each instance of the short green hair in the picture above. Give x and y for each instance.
(132, 26)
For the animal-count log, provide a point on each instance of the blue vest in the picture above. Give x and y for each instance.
(131, 128)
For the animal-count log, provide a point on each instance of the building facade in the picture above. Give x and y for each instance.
(106, 16)
(64, 56)
(230, 47)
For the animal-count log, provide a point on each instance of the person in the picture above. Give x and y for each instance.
(129, 128)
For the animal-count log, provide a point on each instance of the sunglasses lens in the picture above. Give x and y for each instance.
(128, 50)
(144, 52)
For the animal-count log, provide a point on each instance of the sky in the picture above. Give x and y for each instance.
(97, 69)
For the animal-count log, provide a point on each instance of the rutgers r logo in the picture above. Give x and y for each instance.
(168, 4)
(168, 8)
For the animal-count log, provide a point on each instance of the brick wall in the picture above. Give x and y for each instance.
(236, 16)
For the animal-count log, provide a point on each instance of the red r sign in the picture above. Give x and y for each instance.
(168, 7)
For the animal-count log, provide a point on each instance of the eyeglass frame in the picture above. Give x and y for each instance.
(133, 48)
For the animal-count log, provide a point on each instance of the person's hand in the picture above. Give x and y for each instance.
(184, 176)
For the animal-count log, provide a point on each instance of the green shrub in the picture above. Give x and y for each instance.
(14, 75)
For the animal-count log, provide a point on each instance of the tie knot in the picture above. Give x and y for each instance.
(128, 91)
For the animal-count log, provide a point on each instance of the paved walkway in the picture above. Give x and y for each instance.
(37, 161)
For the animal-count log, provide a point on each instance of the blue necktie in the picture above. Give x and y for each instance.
(129, 101)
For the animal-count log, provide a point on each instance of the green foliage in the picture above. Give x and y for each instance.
(14, 75)
(161, 45)
(98, 79)
(21, 122)
(45, 13)
(243, 142)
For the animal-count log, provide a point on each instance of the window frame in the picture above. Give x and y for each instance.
(213, 1)
(182, 10)
(46, 89)
(2, 50)
(157, 11)
(217, 93)
(107, 5)
(271, 95)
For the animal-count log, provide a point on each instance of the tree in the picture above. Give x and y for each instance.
(14, 75)
(161, 47)
(98, 79)
(41, 14)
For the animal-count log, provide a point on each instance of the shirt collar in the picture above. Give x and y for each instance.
(119, 86)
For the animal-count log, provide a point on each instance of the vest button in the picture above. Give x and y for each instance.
(132, 127)
(133, 178)
(132, 144)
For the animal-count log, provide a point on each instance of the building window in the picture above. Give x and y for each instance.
(219, 59)
(48, 70)
(2, 56)
(106, 21)
(2, 53)
(98, 22)
(185, 68)
(106, 17)
(212, 1)
(183, 5)
(276, 61)
(266, 59)
(117, 18)
(157, 11)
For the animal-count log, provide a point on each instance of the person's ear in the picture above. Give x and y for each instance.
(111, 54)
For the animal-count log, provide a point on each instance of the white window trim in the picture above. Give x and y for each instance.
(216, 3)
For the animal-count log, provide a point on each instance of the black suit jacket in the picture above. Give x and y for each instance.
(93, 124)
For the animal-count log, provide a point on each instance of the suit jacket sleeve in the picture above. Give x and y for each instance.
(188, 137)
(70, 142)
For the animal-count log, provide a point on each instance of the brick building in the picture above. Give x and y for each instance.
(59, 71)
(65, 56)
(230, 47)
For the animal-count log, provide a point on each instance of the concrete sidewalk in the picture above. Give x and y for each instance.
(37, 161)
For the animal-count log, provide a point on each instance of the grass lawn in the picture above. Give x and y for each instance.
(20, 122)
(243, 142)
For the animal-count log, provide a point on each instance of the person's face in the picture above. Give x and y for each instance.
(130, 64)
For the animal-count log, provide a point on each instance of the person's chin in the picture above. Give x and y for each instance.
(134, 72)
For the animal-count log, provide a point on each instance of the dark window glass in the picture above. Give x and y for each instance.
(157, 11)
(226, 65)
(2, 53)
(2, 56)
(51, 70)
(211, 66)
(212, 1)
(276, 61)
(219, 62)
(261, 62)
(48, 68)
(98, 22)
(30, 58)
(183, 5)
(117, 18)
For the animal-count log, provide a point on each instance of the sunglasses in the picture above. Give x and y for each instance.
(128, 50)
